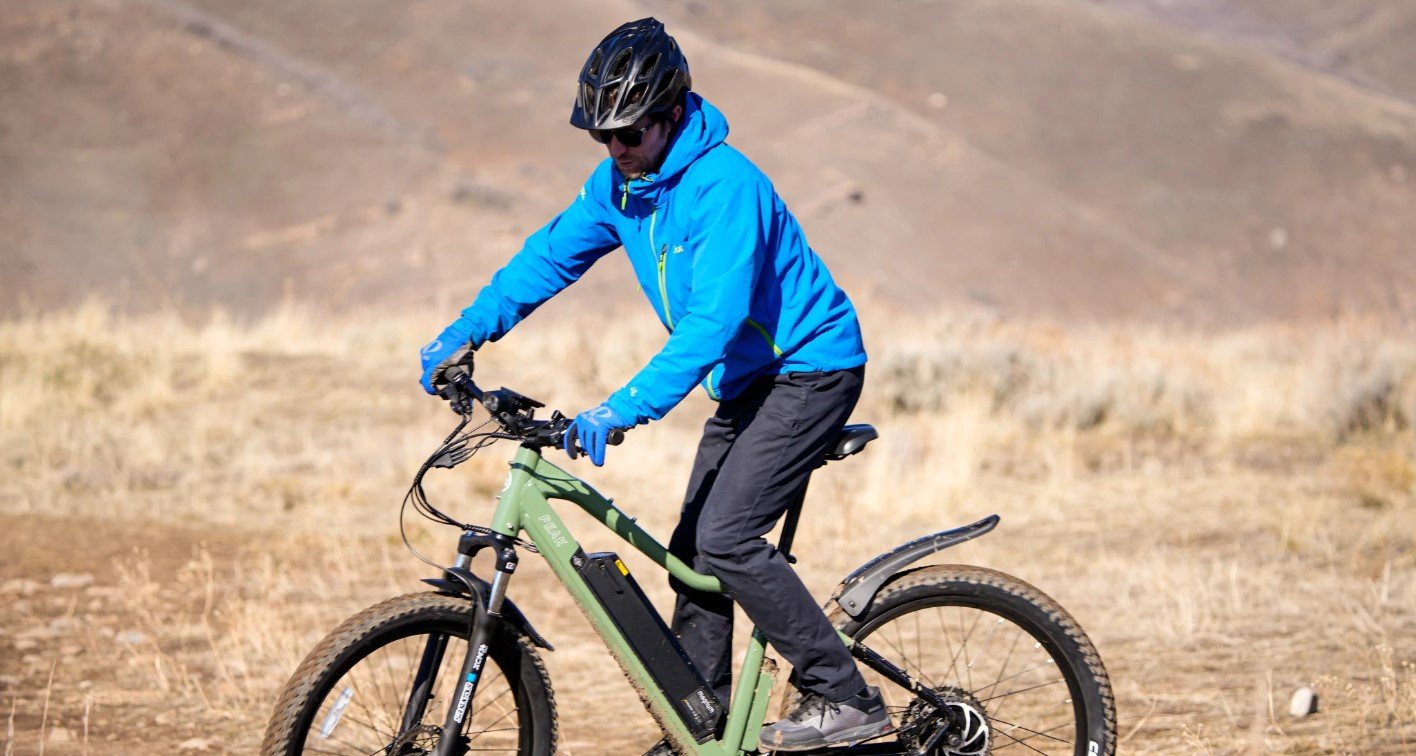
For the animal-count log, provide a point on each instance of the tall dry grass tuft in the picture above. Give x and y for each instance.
(1213, 508)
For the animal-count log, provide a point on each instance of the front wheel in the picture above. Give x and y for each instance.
(359, 690)
(1017, 671)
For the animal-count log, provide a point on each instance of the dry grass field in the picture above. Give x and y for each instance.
(188, 504)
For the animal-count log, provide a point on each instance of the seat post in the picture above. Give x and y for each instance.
(789, 526)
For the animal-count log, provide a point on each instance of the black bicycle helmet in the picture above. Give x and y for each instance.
(637, 69)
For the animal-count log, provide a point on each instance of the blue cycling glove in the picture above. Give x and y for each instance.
(592, 429)
(449, 349)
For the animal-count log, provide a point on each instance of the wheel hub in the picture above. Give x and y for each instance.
(960, 729)
(419, 741)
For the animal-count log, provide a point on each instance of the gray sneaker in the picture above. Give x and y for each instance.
(817, 723)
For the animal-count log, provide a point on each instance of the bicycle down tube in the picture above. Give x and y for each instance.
(524, 505)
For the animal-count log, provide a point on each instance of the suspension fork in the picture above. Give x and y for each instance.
(484, 622)
(423, 683)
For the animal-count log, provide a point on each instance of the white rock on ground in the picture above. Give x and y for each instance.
(71, 580)
(1303, 703)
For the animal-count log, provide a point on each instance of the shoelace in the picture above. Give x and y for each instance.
(814, 705)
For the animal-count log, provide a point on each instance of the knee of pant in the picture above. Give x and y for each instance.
(717, 547)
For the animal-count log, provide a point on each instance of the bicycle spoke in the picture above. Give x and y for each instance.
(484, 731)
(387, 735)
(1048, 663)
(919, 651)
(1016, 741)
(963, 648)
(1034, 733)
(948, 643)
(312, 749)
(1004, 668)
(906, 659)
(1016, 675)
(987, 644)
(1044, 716)
(896, 645)
(482, 705)
(1022, 690)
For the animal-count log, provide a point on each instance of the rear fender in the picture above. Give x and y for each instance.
(858, 590)
(460, 581)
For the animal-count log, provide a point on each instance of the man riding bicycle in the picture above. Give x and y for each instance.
(753, 316)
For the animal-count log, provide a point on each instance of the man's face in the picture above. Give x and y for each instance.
(634, 162)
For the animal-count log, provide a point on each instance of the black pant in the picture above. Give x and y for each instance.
(756, 453)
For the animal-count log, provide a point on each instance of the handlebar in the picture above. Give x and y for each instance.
(514, 412)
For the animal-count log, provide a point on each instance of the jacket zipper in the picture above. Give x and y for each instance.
(770, 342)
(663, 277)
(663, 287)
(624, 198)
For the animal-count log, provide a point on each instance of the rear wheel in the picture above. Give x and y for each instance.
(1017, 672)
(352, 694)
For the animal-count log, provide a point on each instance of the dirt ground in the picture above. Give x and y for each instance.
(108, 627)
(1229, 517)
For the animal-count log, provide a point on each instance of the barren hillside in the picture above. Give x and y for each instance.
(1258, 186)
(1036, 156)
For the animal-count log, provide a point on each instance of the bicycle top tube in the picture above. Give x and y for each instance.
(524, 505)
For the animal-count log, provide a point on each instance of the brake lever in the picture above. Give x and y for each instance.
(460, 392)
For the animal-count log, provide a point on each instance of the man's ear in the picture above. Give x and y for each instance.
(677, 113)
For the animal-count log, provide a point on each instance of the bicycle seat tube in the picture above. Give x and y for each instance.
(524, 505)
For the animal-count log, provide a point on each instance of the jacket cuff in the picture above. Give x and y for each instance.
(626, 407)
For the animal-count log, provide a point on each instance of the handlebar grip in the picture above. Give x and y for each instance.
(615, 437)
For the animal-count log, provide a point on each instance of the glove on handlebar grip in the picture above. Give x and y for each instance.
(573, 449)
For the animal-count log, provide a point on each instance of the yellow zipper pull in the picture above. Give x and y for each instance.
(624, 198)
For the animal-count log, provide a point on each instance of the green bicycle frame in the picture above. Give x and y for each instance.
(524, 506)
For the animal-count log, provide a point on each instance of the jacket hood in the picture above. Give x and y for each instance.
(702, 128)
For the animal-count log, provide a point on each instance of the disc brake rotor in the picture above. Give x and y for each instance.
(966, 722)
(418, 741)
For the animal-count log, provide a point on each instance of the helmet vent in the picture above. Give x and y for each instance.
(636, 94)
(621, 63)
(650, 64)
(594, 68)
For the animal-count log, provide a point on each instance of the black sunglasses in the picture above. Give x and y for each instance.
(627, 136)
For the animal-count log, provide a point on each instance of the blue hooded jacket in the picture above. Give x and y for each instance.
(721, 259)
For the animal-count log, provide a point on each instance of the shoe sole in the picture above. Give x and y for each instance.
(847, 738)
